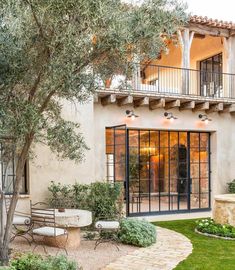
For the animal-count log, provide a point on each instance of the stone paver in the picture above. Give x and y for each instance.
(170, 249)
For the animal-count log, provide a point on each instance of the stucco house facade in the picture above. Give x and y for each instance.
(168, 136)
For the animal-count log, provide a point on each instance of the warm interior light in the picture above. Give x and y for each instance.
(133, 117)
(206, 121)
(172, 120)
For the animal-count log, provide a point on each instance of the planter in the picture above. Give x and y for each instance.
(215, 236)
(61, 210)
(224, 209)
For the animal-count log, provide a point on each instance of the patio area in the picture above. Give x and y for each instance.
(170, 249)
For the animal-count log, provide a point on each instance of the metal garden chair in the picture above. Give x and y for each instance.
(107, 230)
(44, 225)
(22, 224)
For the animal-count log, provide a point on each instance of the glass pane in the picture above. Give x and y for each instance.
(195, 185)
(134, 198)
(204, 170)
(194, 140)
(144, 140)
(154, 139)
(203, 155)
(194, 155)
(174, 139)
(204, 200)
(164, 201)
(194, 168)
(133, 138)
(204, 139)
(120, 136)
(155, 172)
(163, 139)
(183, 202)
(109, 141)
(204, 183)
(183, 138)
(194, 200)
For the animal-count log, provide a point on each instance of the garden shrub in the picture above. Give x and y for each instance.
(137, 232)
(103, 199)
(231, 187)
(36, 262)
(210, 227)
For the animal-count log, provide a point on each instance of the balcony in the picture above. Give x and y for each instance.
(169, 87)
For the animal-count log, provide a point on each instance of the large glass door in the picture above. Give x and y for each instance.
(162, 171)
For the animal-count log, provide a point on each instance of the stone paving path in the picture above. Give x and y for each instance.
(170, 249)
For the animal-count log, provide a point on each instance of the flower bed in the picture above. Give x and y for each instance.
(209, 228)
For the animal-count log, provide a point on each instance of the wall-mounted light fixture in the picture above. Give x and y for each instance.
(131, 114)
(170, 116)
(204, 118)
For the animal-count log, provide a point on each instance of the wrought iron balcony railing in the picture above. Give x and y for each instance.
(176, 81)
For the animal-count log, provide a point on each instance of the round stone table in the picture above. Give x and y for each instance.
(224, 209)
(71, 220)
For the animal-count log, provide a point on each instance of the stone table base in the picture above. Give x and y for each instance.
(73, 241)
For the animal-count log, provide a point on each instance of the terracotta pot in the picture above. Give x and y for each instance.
(61, 210)
(108, 83)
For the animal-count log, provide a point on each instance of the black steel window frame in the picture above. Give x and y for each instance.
(189, 181)
(205, 73)
(25, 186)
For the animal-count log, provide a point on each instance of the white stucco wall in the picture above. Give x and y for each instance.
(222, 130)
(95, 117)
(46, 167)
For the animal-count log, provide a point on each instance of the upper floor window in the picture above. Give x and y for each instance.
(211, 82)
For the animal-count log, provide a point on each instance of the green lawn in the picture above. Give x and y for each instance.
(208, 253)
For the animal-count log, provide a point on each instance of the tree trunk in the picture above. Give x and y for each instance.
(4, 256)
(4, 245)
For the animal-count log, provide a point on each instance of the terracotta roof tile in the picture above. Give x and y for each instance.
(211, 22)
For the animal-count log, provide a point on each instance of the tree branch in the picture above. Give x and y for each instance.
(38, 25)
(35, 86)
(46, 101)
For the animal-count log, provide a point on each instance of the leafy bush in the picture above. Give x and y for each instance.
(210, 227)
(35, 262)
(231, 187)
(137, 232)
(103, 199)
(61, 195)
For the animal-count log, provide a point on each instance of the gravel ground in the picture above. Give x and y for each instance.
(85, 255)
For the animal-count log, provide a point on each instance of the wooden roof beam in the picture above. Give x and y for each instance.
(203, 106)
(141, 102)
(207, 30)
(156, 104)
(110, 99)
(215, 108)
(229, 108)
(172, 104)
(189, 105)
(125, 101)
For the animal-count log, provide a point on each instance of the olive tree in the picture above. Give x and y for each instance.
(53, 51)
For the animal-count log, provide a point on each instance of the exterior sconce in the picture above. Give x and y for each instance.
(170, 116)
(204, 118)
(131, 114)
